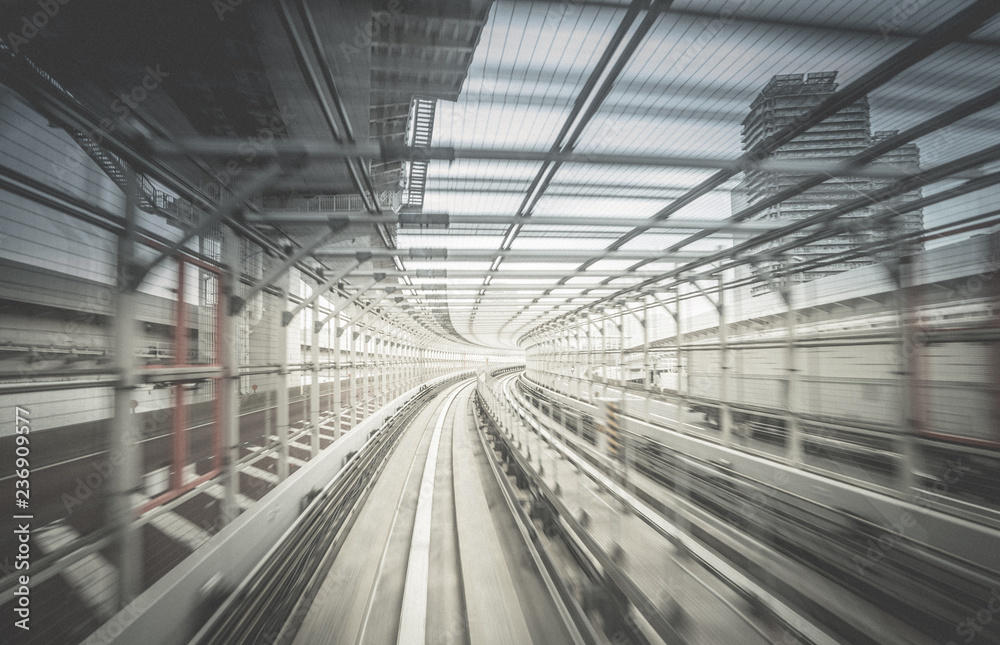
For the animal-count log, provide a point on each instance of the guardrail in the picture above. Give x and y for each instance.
(174, 607)
(723, 489)
(601, 567)
(270, 603)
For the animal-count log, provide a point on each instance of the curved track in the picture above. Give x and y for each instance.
(431, 556)
(427, 552)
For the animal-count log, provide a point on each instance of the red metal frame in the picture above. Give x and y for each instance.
(179, 425)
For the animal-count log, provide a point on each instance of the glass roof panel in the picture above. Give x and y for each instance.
(678, 101)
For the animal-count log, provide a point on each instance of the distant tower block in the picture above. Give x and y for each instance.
(784, 99)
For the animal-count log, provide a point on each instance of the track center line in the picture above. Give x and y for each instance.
(385, 548)
(413, 616)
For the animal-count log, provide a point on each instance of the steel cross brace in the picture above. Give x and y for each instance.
(236, 303)
(230, 205)
(360, 314)
(287, 316)
(357, 294)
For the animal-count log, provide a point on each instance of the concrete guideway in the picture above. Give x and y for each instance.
(434, 566)
(593, 488)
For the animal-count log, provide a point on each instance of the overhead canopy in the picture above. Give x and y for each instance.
(549, 146)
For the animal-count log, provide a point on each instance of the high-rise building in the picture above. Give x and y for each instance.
(784, 99)
(907, 158)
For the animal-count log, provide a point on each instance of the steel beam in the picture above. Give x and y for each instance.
(124, 480)
(360, 257)
(959, 25)
(347, 301)
(230, 381)
(281, 348)
(793, 378)
(314, 385)
(313, 82)
(425, 221)
(311, 150)
(553, 255)
(238, 303)
(225, 209)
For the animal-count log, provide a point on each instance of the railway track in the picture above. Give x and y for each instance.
(413, 544)
(926, 590)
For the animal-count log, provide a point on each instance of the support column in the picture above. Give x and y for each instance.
(366, 375)
(124, 481)
(337, 406)
(330, 331)
(352, 397)
(604, 356)
(623, 376)
(907, 367)
(581, 361)
(378, 351)
(679, 339)
(646, 367)
(590, 359)
(281, 414)
(314, 390)
(230, 378)
(725, 410)
(792, 394)
(393, 368)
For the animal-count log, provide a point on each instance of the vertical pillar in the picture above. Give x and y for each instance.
(394, 353)
(679, 340)
(179, 438)
(581, 359)
(230, 378)
(590, 358)
(623, 376)
(352, 397)
(281, 413)
(337, 407)
(792, 394)
(314, 390)
(393, 366)
(366, 357)
(123, 482)
(568, 364)
(646, 367)
(907, 368)
(379, 369)
(604, 355)
(404, 363)
(331, 328)
(725, 411)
